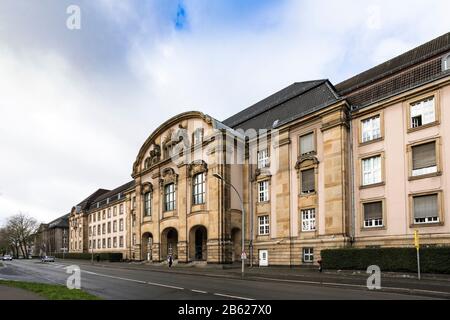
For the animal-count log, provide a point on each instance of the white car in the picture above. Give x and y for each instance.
(7, 257)
(48, 259)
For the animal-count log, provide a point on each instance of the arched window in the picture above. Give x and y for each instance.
(148, 204)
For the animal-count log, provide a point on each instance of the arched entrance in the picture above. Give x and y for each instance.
(169, 243)
(198, 236)
(147, 242)
(236, 238)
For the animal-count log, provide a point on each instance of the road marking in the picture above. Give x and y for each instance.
(233, 297)
(164, 285)
(199, 291)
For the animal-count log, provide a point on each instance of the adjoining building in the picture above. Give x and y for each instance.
(313, 166)
(53, 237)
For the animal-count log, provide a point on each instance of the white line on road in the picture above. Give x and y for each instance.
(164, 285)
(199, 291)
(233, 297)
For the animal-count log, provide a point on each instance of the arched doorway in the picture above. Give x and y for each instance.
(237, 243)
(198, 236)
(169, 243)
(147, 242)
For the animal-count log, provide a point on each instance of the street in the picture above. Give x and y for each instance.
(112, 282)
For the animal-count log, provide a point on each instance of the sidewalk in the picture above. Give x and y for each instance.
(10, 293)
(430, 285)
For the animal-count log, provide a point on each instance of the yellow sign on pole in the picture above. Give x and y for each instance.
(416, 239)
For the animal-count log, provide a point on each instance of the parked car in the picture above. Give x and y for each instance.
(7, 257)
(48, 259)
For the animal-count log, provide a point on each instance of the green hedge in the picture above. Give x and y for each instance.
(105, 256)
(432, 259)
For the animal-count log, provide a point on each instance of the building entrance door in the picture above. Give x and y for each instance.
(263, 258)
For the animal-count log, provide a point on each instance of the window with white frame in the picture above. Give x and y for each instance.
(169, 197)
(115, 211)
(424, 159)
(308, 220)
(121, 241)
(263, 158)
(148, 204)
(263, 225)
(109, 243)
(446, 63)
(308, 255)
(99, 245)
(373, 214)
(121, 209)
(371, 168)
(426, 209)
(115, 226)
(370, 129)
(199, 188)
(423, 112)
(121, 225)
(115, 242)
(99, 230)
(103, 243)
(263, 187)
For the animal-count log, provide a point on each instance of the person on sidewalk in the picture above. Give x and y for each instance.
(98, 258)
(320, 265)
(170, 259)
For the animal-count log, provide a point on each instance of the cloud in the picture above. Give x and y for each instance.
(77, 105)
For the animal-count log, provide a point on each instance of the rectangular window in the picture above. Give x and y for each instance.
(121, 209)
(263, 159)
(263, 187)
(199, 188)
(198, 136)
(109, 243)
(426, 209)
(99, 217)
(99, 245)
(307, 144)
(371, 170)
(90, 218)
(90, 244)
(99, 230)
(94, 244)
(94, 230)
(373, 214)
(370, 129)
(133, 220)
(308, 220)
(90, 231)
(134, 239)
(109, 212)
(263, 225)
(424, 159)
(104, 228)
(169, 192)
(423, 112)
(103, 243)
(115, 242)
(104, 215)
(148, 204)
(115, 211)
(115, 226)
(134, 203)
(308, 255)
(121, 225)
(308, 181)
(95, 217)
(121, 241)
(109, 227)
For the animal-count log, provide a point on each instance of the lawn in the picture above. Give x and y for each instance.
(51, 291)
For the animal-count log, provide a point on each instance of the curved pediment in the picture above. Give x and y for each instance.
(306, 161)
(172, 132)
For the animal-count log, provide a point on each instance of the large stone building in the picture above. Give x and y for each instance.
(316, 166)
(52, 237)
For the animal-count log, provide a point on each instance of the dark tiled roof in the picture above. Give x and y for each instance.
(61, 222)
(86, 202)
(114, 192)
(290, 103)
(397, 64)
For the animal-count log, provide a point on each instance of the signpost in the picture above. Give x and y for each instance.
(417, 245)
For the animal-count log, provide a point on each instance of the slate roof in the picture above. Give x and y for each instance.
(114, 192)
(86, 202)
(413, 57)
(61, 222)
(294, 101)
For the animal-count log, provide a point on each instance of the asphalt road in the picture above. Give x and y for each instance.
(110, 282)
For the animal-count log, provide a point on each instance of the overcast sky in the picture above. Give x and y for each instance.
(76, 105)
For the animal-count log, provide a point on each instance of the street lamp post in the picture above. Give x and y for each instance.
(218, 176)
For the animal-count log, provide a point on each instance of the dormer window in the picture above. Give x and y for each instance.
(446, 63)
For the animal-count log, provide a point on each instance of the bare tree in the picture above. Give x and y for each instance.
(20, 229)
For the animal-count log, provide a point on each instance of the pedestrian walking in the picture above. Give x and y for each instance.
(320, 265)
(170, 259)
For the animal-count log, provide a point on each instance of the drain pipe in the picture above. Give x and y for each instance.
(250, 202)
(352, 184)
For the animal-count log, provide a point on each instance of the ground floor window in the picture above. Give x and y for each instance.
(121, 241)
(308, 255)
